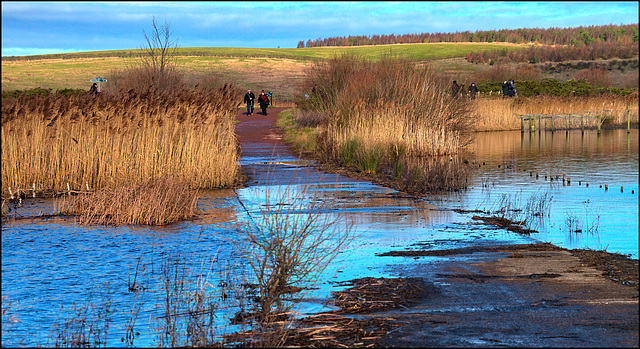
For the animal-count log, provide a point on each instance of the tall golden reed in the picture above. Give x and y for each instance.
(497, 114)
(116, 139)
(396, 103)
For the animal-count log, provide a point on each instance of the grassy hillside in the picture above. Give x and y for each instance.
(415, 51)
(256, 68)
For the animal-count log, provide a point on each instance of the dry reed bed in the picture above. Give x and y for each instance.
(157, 201)
(380, 118)
(393, 103)
(110, 140)
(498, 114)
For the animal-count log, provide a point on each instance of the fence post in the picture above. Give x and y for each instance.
(539, 123)
(532, 124)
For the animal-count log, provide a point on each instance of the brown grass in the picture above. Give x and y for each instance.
(385, 104)
(119, 139)
(496, 114)
(385, 118)
(155, 202)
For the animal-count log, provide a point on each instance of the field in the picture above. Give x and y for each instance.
(276, 70)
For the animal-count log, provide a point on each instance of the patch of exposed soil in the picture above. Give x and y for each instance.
(616, 267)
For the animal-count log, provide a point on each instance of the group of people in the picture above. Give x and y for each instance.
(455, 88)
(509, 89)
(263, 101)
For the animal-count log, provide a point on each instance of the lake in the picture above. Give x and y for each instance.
(54, 269)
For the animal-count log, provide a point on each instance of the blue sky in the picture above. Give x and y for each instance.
(30, 28)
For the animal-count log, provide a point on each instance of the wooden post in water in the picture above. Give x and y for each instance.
(599, 122)
(532, 124)
(539, 123)
(522, 124)
(628, 120)
(582, 123)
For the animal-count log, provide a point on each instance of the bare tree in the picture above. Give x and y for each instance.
(159, 56)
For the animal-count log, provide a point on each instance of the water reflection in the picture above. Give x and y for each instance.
(591, 161)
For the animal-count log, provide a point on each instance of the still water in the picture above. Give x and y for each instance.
(600, 201)
(52, 268)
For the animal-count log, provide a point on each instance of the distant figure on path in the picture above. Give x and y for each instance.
(94, 89)
(505, 89)
(454, 89)
(473, 90)
(512, 89)
(249, 98)
(263, 100)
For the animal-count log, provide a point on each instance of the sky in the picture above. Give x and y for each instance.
(32, 28)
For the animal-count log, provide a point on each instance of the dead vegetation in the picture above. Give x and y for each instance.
(378, 294)
(157, 201)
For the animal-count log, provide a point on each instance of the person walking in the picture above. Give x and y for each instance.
(249, 98)
(473, 90)
(94, 89)
(505, 89)
(454, 89)
(512, 89)
(263, 100)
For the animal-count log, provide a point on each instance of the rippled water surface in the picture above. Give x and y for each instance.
(50, 266)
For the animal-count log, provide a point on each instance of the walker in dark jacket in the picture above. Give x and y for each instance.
(505, 89)
(263, 100)
(473, 90)
(249, 98)
(94, 89)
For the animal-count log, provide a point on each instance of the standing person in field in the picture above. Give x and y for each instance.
(473, 90)
(263, 100)
(249, 98)
(505, 89)
(454, 89)
(94, 89)
(512, 89)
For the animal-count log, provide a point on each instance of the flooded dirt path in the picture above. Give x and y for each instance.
(532, 295)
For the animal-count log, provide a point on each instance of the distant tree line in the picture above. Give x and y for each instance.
(557, 44)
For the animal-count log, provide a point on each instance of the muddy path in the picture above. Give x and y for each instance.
(534, 295)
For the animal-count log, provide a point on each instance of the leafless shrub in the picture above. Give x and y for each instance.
(289, 245)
